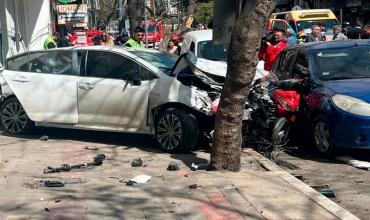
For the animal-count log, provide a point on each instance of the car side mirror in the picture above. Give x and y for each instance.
(1, 67)
(134, 77)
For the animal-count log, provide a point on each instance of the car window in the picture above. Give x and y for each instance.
(192, 47)
(300, 68)
(19, 63)
(109, 65)
(286, 63)
(212, 51)
(51, 62)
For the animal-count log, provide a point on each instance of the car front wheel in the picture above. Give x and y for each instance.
(321, 136)
(176, 131)
(14, 118)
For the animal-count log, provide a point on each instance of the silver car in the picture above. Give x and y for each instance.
(107, 89)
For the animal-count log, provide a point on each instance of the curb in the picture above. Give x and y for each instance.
(320, 199)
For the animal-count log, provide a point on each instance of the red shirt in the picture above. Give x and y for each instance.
(270, 53)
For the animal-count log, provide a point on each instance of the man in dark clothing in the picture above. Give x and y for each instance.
(65, 41)
(315, 35)
(354, 32)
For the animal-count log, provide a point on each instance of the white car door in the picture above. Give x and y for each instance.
(108, 95)
(45, 83)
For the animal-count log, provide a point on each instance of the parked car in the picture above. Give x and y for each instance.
(336, 93)
(302, 20)
(210, 56)
(107, 89)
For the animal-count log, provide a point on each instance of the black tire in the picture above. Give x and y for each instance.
(14, 118)
(176, 131)
(320, 137)
(280, 132)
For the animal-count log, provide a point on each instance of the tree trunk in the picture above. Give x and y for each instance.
(241, 67)
(135, 13)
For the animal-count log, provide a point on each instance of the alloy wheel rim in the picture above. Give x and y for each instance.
(169, 131)
(14, 118)
(321, 134)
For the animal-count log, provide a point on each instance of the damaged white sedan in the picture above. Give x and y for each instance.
(109, 89)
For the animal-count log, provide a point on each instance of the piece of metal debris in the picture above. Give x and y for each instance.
(324, 190)
(97, 161)
(44, 138)
(138, 162)
(58, 200)
(47, 209)
(173, 166)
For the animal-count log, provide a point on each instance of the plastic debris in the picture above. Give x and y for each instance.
(200, 166)
(173, 166)
(97, 161)
(53, 183)
(44, 138)
(183, 172)
(138, 162)
(58, 200)
(141, 179)
(47, 209)
(193, 186)
(324, 190)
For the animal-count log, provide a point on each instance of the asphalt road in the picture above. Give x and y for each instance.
(350, 185)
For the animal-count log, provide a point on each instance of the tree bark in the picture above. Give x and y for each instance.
(135, 13)
(241, 67)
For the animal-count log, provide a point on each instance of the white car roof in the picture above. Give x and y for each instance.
(203, 35)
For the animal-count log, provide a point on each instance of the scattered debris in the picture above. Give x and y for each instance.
(365, 165)
(325, 190)
(173, 166)
(359, 181)
(47, 209)
(141, 179)
(58, 200)
(44, 138)
(193, 186)
(53, 183)
(200, 166)
(91, 148)
(138, 162)
(184, 173)
(98, 160)
(113, 177)
(130, 183)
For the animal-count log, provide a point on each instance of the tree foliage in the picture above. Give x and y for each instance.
(204, 12)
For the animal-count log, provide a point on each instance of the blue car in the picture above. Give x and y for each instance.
(335, 103)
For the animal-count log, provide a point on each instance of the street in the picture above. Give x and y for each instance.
(101, 193)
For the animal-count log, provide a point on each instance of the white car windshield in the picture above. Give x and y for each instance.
(212, 51)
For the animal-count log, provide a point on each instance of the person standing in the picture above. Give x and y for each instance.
(337, 33)
(136, 41)
(52, 41)
(315, 35)
(270, 52)
(65, 41)
(172, 48)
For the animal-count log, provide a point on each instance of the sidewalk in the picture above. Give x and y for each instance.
(260, 191)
